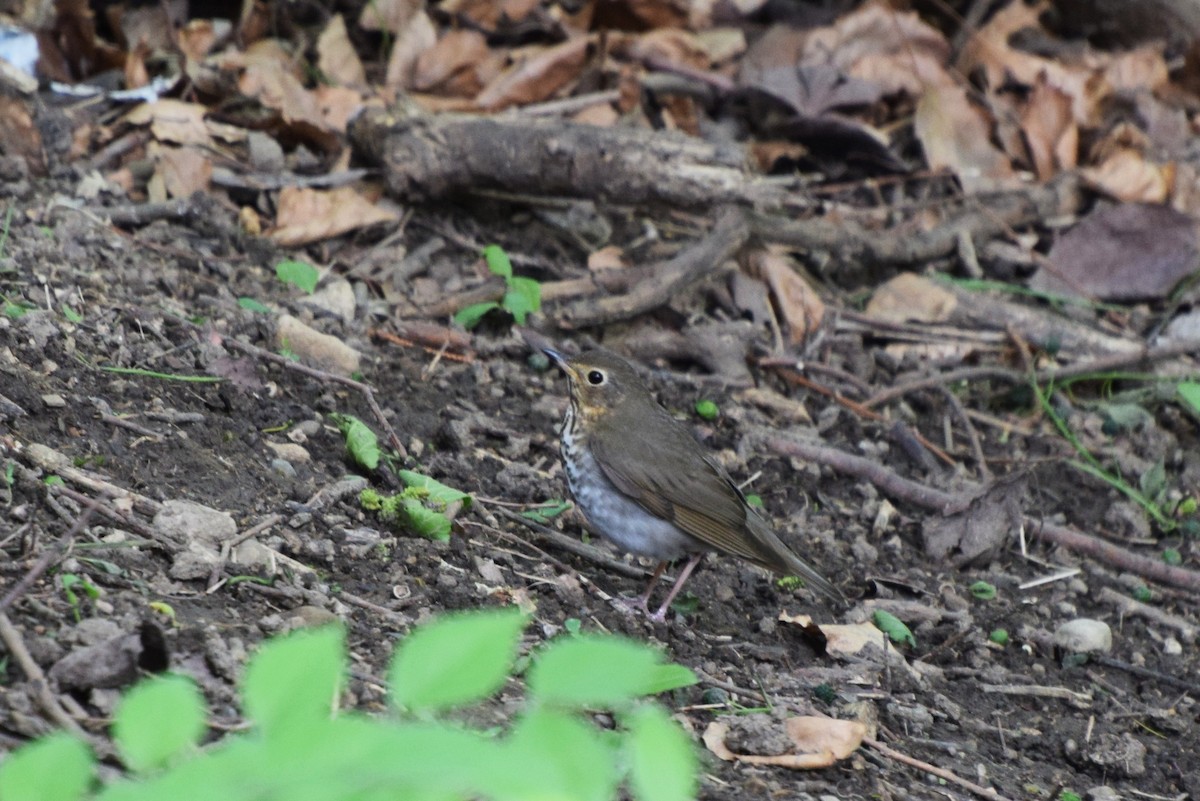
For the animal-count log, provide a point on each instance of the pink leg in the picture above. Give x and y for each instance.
(642, 601)
(661, 614)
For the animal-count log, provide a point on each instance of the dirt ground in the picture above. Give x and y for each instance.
(164, 298)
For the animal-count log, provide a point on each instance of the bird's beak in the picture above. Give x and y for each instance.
(559, 360)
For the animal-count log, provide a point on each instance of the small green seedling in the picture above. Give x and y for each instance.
(361, 442)
(253, 305)
(421, 506)
(893, 627)
(999, 636)
(70, 583)
(982, 591)
(707, 410)
(522, 296)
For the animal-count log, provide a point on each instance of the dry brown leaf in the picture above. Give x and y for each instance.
(19, 133)
(602, 115)
(257, 21)
(274, 86)
(1141, 69)
(815, 735)
(722, 45)
(824, 740)
(197, 38)
(955, 136)
(911, 298)
(1127, 175)
(669, 45)
(798, 304)
(1132, 251)
(136, 74)
(309, 215)
(172, 121)
(336, 58)
(389, 15)
(417, 37)
(183, 170)
(893, 49)
(536, 74)
(449, 67)
(487, 14)
(607, 258)
(337, 105)
(1050, 130)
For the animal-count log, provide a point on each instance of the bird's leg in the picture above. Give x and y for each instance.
(642, 601)
(661, 614)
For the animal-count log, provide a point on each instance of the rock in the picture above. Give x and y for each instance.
(1121, 754)
(112, 663)
(1084, 636)
(336, 298)
(195, 522)
(1102, 793)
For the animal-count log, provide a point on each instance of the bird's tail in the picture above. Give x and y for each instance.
(781, 559)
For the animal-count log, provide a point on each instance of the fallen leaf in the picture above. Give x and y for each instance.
(798, 304)
(1050, 130)
(611, 257)
(956, 136)
(536, 74)
(389, 15)
(417, 36)
(911, 298)
(197, 38)
(336, 57)
(973, 534)
(820, 743)
(309, 215)
(172, 121)
(184, 170)
(449, 67)
(1126, 175)
(1131, 251)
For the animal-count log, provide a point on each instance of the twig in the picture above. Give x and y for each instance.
(944, 502)
(367, 391)
(941, 773)
(227, 547)
(48, 557)
(692, 264)
(972, 435)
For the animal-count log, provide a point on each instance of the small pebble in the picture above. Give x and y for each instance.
(1084, 636)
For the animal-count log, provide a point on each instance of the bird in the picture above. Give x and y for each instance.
(645, 483)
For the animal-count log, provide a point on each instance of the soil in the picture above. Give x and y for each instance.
(165, 298)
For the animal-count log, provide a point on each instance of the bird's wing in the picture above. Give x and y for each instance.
(703, 501)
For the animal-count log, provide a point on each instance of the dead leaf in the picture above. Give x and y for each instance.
(1126, 175)
(183, 170)
(309, 215)
(338, 104)
(536, 74)
(669, 45)
(389, 15)
(956, 136)
(336, 57)
(488, 15)
(894, 50)
(172, 121)
(1050, 130)
(798, 304)
(1131, 251)
(911, 298)
(197, 39)
(417, 36)
(19, 133)
(449, 67)
(820, 743)
(607, 258)
(972, 535)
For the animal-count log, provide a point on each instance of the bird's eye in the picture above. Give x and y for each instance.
(595, 378)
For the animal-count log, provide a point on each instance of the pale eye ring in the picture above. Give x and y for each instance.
(595, 377)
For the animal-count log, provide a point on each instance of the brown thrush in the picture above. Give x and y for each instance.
(645, 483)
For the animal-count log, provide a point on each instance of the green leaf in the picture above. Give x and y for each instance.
(982, 591)
(1189, 393)
(299, 274)
(1153, 483)
(470, 316)
(157, 720)
(562, 758)
(999, 636)
(707, 410)
(1142, 593)
(498, 261)
(57, 767)
(437, 491)
(593, 671)
(250, 304)
(893, 627)
(524, 297)
(1172, 556)
(755, 501)
(361, 442)
(430, 524)
(295, 680)
(71, 315)
(547, 511)
(662, 764)
(455, 660)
